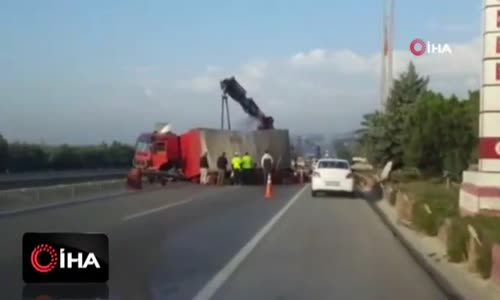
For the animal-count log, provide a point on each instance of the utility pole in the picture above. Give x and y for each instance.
(386, 74)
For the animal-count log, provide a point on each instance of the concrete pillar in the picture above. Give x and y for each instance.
(480, 191)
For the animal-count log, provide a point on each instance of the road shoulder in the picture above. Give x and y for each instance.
(431, 253)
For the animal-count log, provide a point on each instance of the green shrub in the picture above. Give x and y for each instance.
(405, 175)
(488, 229)
(484, 261)
(425, 221)
(458, 236)
(442, 202)
(437, 180)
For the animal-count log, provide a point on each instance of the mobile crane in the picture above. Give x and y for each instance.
(162, 153)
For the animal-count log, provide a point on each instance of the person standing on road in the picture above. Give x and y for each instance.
(204, 168)
(236, 168)
(267, 164)
(221, 168)
(246, 165)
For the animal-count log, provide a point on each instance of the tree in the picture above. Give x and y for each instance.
(4, 153)
(373, 141)
(342, 150)
(27, 157)
(421, 128)
(441, 134)
(407, 90)
(66, 157)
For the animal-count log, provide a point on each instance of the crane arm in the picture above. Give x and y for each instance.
(231, 87)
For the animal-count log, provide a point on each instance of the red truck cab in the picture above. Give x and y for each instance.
(157, 151)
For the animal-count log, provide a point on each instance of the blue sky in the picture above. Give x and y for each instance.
(75, 61)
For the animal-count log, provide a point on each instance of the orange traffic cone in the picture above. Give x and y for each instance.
(269, 188)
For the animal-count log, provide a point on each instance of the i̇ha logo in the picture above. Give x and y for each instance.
(66, 259)
(418, 47)
(59, 257)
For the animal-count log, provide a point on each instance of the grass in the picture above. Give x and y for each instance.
(488, 229)
(458, 237)
(405, 175)
(433, 204)
(443, 203)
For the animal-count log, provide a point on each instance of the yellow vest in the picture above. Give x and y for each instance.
(247, 162)
(236, 163)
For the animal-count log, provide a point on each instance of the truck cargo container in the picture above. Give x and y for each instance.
(163, 153)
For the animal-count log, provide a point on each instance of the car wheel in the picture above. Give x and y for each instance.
(314, 193)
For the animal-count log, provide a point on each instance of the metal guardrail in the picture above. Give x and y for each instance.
(30, 180)
(29, 197)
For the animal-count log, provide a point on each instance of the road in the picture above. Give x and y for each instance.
(170, 244)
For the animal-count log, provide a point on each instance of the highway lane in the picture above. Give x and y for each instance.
(169, 244)
(329, 248)
(164, 244)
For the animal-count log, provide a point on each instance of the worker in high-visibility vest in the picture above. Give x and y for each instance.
(236, 167)
(247, 166)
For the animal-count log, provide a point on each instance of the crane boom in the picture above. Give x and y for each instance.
(232, 88)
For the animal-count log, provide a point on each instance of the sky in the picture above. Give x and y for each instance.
(90, 71)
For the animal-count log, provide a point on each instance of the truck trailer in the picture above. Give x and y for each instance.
(164, 154)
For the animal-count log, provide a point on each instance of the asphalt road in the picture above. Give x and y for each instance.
(169, 244)
(329, 248)
(158, 251)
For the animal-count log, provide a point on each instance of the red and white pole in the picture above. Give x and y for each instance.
(480, 192)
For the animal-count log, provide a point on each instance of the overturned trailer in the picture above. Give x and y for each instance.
(214, 142)
(164, 153)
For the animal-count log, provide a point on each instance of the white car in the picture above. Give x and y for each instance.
(332, 175)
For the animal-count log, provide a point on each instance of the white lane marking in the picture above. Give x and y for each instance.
(154, 210)
(166, 206)
(209, 290)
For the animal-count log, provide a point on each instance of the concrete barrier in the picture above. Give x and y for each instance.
(404, 208)
(472, 255)
(390, 195)
(444, 231)
(495, 268)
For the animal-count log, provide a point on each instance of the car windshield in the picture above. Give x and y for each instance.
(142, 146)
(333, 164)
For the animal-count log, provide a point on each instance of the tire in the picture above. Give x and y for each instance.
(314, 194)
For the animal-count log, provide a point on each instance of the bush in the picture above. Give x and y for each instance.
(442, 202)
(425, 221)
(458, 236)
(405, 175)
(488, 229)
